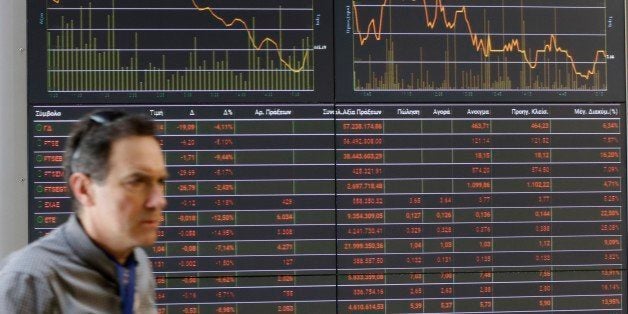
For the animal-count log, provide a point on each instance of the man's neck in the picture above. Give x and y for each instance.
(120, 255)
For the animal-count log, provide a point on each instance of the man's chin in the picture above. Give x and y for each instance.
(147, 238)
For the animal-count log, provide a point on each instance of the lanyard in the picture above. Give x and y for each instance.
(126, 281)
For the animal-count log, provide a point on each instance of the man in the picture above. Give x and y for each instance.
(92, 263)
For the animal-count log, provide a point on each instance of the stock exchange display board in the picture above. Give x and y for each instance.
(432, 156)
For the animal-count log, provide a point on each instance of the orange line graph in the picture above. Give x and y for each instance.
(257, 46)
(374, 28)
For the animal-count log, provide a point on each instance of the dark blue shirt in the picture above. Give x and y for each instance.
(126, 279)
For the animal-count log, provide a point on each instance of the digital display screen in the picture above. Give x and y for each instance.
(174, 51)
(369, 156)
(376, 207)
(495, 51)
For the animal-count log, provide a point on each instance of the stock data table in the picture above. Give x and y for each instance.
(390, 208)
(471, 208)
(251, 204)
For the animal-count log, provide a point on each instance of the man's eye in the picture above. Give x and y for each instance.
(135, 182)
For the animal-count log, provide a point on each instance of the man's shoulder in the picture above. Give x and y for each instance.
(142, 260)
(40, 258)
(140, 253)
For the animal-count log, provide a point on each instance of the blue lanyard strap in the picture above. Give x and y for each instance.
(126, 282)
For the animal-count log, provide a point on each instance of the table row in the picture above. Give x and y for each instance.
(325, 142)
(383, 172)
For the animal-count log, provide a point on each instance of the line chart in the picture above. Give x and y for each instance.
(251, 37)
(471, 45)
(190, 46)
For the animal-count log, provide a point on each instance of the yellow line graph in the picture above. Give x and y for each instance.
(258, 46)
(485, 45)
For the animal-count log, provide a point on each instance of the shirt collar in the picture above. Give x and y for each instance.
(86, 250)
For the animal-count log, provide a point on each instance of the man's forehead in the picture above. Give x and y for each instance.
(136, 168)
(137, 154)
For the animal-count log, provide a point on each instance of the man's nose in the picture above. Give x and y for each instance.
(156, 198)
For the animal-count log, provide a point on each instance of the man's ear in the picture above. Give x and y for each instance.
(81, 187)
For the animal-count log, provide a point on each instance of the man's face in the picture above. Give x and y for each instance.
(128, 203)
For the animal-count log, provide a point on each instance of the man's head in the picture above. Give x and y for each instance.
(115, 169)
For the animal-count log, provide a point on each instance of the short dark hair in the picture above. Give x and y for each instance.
(88, 147)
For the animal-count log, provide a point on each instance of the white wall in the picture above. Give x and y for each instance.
(13, 127)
